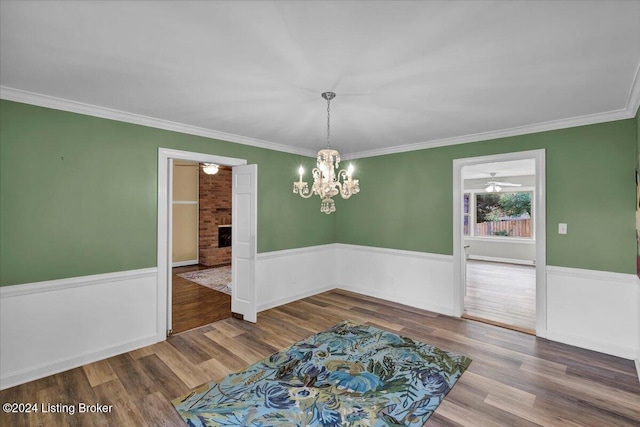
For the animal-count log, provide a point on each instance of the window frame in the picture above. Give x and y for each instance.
(473, 215)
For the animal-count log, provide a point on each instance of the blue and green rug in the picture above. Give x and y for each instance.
(349, 375)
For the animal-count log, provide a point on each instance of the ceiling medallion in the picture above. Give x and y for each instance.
(326, 182)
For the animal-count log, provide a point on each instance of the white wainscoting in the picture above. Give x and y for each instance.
(49, 327)
(595, 310)
(416, 279)
(590, 309)
(502, 249)
(292, 274)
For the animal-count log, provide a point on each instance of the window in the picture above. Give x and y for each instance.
(504, 214)
(466, 209)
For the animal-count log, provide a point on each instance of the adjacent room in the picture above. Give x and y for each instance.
(320, 213)
(499, 243)
(201, 244)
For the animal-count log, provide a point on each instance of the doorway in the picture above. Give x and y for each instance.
(201, 244)
(244, 213)
(499, 249)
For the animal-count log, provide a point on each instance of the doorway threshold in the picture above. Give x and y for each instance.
(499, 324)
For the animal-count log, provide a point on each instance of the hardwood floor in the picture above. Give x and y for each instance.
(514, 380)
(195, 305)
(501, 294)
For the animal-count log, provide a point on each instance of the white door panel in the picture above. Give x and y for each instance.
(244, 213)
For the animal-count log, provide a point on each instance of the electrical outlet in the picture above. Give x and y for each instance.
(562, 228)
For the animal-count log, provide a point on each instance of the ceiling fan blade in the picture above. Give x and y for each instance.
(507, 184)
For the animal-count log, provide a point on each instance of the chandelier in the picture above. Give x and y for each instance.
(326, 182)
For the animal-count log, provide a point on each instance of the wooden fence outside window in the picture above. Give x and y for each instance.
(509, 228)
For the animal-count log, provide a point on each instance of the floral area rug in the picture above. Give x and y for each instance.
(349, 375)
(218, 279)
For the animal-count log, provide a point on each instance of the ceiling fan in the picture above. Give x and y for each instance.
(210, 168)
(495, 186)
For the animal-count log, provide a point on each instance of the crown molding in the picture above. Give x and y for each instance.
(634, 94)
(633, 103)
(40, 100)
(26, 97)
(504, 133)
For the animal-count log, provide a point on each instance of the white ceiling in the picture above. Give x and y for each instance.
(500, 169)
(407, 74)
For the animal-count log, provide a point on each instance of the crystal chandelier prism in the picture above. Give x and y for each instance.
(326, 181)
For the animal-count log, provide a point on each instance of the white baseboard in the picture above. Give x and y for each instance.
(73, 361)
(292, 274)
(49, 327)
(502, 260)
(417, 279)
(184, 263)
(596, 310)
(294, 297)
(392, 296)
(601, 346)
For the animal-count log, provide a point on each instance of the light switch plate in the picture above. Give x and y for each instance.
(562, 228)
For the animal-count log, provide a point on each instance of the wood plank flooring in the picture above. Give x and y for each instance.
(514, 380)
(502, 294)
(195, 305)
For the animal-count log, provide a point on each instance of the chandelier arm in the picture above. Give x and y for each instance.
(349, 186)
(346, 194)
(301, 188)
(344, 189)
(307, 194)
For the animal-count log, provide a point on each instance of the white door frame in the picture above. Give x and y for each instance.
(539, 207)
(165, 155)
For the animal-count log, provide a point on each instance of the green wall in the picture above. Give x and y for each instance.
(638, 140)
(78, 194)
(590, 186)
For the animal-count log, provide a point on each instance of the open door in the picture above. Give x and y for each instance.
(244, 213)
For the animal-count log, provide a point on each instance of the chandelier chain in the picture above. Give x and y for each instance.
(328, 122)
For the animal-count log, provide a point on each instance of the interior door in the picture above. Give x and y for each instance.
(244, 213)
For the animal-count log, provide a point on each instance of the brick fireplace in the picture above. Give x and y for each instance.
(215, 214)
